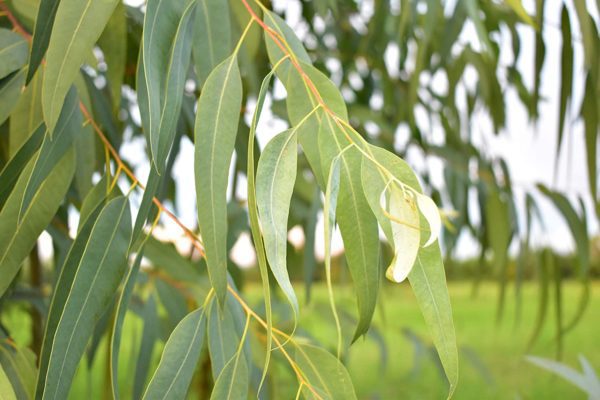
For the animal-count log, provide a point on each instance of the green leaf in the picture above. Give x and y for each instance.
(589, 112)
(41, 35)
(232, 383)
(113, 43)
(15, 166)
(167, 31)
(149, 336)
(19, 366)
(566, 78)
(61, 293)
(325, 374)
(223, 337)
(212, 36)
(255, 224)
(216, 126)
(358, 225)
(517, 7)
(586, 381)
(275, 178)
(178, 361)
(6, 388)
(427, 277)
(17, 239)
(117, 325)
(13, 52)
(10, 92)
(97, 274)
(588, 35)
(78, 25)
(68, 126)
(27, 115)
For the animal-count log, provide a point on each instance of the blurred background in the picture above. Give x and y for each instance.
(494, 104)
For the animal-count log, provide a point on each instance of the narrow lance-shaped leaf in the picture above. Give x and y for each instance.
(13, 52)
(212, 36)
(113, 43)
(117, 326)
(358, 225)
(17, 239)
(53, 148)
(215, 131)
(61, 293)
(27, 115)
(232, 383)
(97, 277)
(254, 222)
(147, 341)
(167, 30)
(326, 375)
(178, 361)
(223, 337)
(77, 26)
(275, 179)
(15, 166)
(329, 208)
(427, 277)
(41, 35)
(566, 80)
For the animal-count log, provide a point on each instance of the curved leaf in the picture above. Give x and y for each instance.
(232, 383)
(27, 115)
(17, 239)
(69, 124)
(77, 26)
(98, 273)
(6, 388)
(212, 36)
(215, 131)
(178, 361)
(167, 31)
(275, 178)
(326, 375)
(41, 35)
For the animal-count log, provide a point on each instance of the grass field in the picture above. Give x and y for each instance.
(491, 354)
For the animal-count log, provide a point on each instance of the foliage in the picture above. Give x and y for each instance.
(74, 75)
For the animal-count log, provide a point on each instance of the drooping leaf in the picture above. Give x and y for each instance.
(17, 239)
(357, 223)
(517, 7)
(232, 383)
(178, 361)
(432, 215)
(52, 150)
(27, 115)
(585, 381)
(215, 131)
(223, 337)
(113, 43)
(11, 171)
(148, 339)
(427, 277)
(117, 324)
(78, 25)
(326, 375)
(275, 178)
(168, 30)
(41, 35)
(566, 79)
(91, 279)
(13, 52)
(212, 37)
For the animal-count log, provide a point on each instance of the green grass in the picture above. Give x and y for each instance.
(491, 354)
(498, 347)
